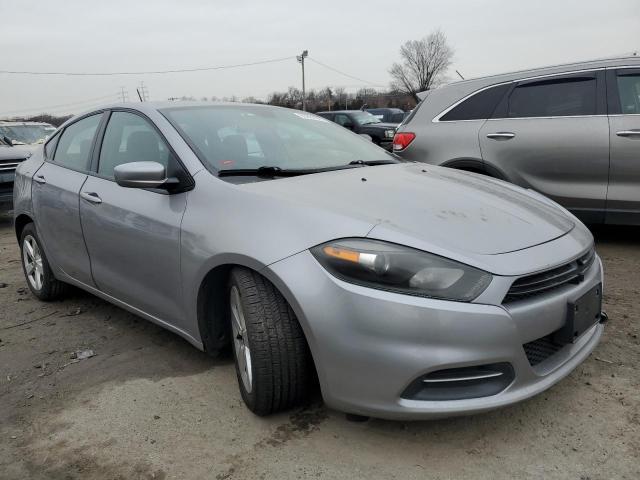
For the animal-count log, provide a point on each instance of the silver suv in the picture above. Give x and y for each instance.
(571, 132)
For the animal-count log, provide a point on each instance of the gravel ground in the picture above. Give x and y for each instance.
(148, 405)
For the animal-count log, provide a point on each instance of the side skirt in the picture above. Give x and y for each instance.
(136, 311)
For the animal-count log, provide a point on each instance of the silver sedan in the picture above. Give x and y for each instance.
(404, 290)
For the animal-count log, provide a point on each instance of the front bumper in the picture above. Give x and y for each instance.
(6, 193)
(369, 345)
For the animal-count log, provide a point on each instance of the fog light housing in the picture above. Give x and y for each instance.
(461, 383)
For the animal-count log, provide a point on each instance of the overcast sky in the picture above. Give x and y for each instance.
(361, 38)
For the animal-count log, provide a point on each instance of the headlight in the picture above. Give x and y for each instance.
(387, 266)
(389, 133)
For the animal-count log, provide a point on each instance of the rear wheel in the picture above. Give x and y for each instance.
(272, 358)
(35, 266)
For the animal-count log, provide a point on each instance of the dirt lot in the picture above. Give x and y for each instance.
(148, 405)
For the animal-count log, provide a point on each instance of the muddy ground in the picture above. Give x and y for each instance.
(149, 405)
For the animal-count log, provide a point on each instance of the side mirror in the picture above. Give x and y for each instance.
(8, 141)
(348, 125)
(140, 175)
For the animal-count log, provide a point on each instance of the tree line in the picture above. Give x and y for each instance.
(422, 65)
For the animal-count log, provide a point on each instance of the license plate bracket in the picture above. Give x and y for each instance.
(582, 314)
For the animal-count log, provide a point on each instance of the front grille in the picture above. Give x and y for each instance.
(9, 166)
(541, 349)
(539, 283)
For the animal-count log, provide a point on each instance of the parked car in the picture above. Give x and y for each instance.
(408, 291)
(571, 132)
(25, 133)
(10, 157)
(388, 115)
(363, 123)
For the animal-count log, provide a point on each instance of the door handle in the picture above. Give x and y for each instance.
(39, 179)
(92, 197)
(628, 133)
(501, 135)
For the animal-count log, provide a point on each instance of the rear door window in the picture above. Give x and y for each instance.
(74, 147)
(560, 97)
(478, 107)
(629, 93)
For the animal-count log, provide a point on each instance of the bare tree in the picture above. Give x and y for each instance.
(423, 65)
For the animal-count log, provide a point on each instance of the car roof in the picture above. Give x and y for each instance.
(148, 107)
(341, 111)
(559, 68)
(385, 109)
(9, 123)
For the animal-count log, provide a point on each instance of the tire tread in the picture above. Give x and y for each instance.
(279, 351)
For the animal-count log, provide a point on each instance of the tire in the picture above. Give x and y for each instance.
(272, 358)
(35, 266)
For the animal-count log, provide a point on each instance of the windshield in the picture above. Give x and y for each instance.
(365, 118)
(26, 134)
(250, 137)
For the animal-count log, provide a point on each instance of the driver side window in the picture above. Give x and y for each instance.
(130, 138)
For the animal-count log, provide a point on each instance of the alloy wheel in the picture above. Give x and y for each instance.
(33, 263)
(240, 339)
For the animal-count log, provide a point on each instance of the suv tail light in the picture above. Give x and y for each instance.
(401, 140)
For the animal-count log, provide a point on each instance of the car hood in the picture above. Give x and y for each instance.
(15, 152)
(452, 210)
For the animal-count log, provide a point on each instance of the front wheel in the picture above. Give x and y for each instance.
(35, 266)
(273, 363)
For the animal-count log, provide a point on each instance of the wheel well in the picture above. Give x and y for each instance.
(212, 308)
(476, 166)
(215, 332)
(21, 221)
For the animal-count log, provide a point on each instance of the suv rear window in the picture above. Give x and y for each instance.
(554, 98)
(478, 107)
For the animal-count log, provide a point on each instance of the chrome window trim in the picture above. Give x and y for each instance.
(547, 117)
(623, 66)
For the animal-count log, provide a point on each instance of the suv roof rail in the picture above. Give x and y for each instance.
(630, 55)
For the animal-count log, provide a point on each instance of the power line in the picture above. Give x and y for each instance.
(343, 73)
(53, 107)
(153, 72)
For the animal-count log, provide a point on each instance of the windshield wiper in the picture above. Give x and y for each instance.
(264, 171)
(269, 171)
(370, 163)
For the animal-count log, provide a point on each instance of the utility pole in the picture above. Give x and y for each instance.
(143, 92)
(301, 58)
(124, 95)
